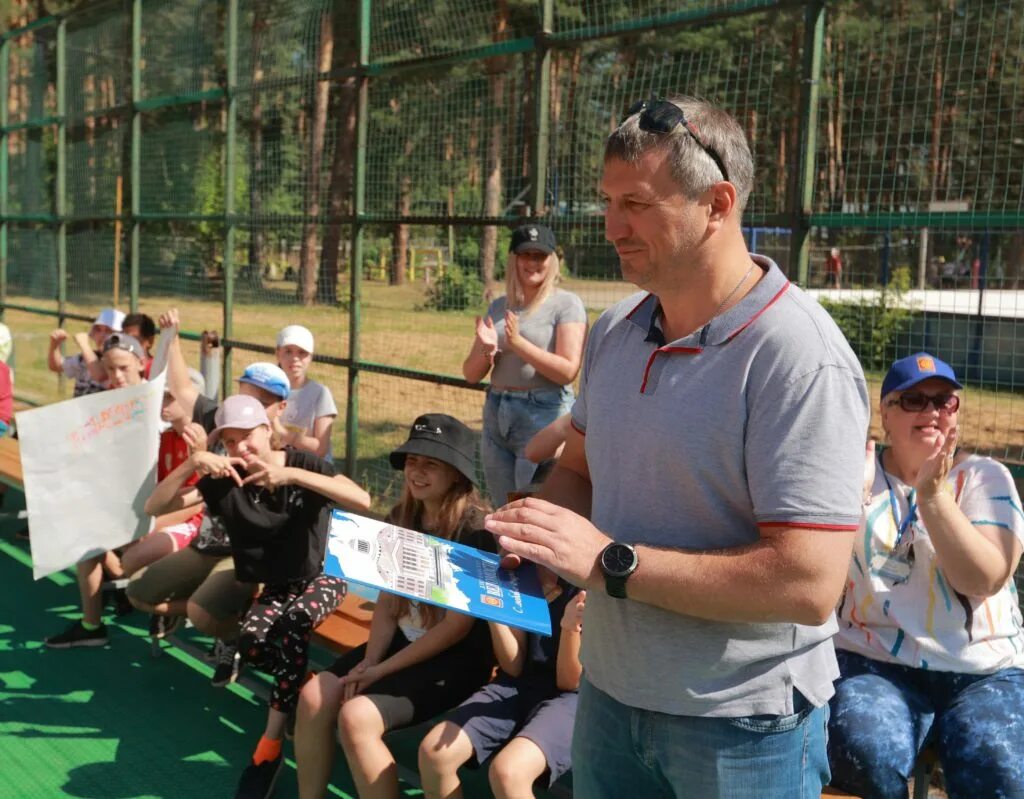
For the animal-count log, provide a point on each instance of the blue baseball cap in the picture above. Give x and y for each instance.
(914, 369)
(268, 377)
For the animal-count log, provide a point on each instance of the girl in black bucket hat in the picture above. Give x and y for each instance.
(420, 660)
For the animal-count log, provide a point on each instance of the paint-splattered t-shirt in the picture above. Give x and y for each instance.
(899, 607)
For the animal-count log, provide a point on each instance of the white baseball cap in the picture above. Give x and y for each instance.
(110, 317)
(296, 335)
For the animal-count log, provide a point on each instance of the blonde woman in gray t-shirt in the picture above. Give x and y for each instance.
(531, 343)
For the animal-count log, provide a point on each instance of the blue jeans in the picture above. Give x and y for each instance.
(884, 713)
(620, 751)
(511, 419)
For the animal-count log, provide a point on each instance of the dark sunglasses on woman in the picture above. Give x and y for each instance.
(917, 401)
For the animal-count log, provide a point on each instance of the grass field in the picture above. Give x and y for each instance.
(397, 331)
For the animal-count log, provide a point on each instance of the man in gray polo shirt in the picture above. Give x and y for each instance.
(709, 492)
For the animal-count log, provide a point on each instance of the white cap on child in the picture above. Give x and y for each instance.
(296, 335)
(110, 317)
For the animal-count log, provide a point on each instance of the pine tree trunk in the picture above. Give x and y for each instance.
(339, 198)
(308, 266)
(493, 184)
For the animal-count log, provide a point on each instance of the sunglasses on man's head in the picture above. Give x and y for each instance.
(916, 401)
(662, 116)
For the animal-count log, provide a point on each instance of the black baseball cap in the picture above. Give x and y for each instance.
(533, 237)
(442, 437)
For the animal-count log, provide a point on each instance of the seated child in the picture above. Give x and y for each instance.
(276, 506)
(76, 367)
(522, 721)
(174, 532)
(309, 418)
(420, 660)
(122, 359)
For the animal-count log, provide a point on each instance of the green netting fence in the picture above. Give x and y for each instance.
(356, 166)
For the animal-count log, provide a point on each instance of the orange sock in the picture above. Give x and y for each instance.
(266, 750)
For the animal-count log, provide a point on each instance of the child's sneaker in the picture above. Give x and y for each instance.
(228, 664)
(77, 635)
(257, 782)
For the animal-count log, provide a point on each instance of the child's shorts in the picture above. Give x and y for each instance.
(504, 709)
(184, 533)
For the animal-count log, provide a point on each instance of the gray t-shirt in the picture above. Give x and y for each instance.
(759, 419)
(306, 405)
(538, 327)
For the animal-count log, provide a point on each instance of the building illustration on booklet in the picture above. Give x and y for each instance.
(433, 570)
(412, 564)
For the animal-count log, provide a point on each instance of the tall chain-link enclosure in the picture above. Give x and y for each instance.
(356, 166)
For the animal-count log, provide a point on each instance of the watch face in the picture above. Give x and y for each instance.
(618, 560)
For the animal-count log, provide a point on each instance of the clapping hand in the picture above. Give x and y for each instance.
(512, 336)
(486, 336)
(931, 477)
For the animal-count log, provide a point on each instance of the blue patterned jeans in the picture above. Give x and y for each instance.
(883, 714)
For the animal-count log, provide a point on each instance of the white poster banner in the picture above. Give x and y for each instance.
(89, 465)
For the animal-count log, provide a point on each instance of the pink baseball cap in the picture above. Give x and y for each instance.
(238, 412)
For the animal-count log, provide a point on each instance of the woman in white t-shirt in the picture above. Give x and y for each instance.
(931, 642)
(308, 419)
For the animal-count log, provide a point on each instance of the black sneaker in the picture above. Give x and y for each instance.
(257, 782)
(229, 664)
(162, 626)
(77, 635)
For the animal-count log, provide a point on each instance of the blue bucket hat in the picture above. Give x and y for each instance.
(268, 377)
(917, 368)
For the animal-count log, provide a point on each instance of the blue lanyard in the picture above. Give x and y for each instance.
(901, 527)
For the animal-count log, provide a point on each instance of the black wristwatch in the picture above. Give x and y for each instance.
(617, 562)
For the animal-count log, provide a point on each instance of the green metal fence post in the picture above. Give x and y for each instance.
(60, 201)
(802, 194)
(134, 179)
(356, 267)
(5, 55)
(229, 186)
(542, 118)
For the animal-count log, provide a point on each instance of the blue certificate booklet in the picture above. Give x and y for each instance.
(428, 569)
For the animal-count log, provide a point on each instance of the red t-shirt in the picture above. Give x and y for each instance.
(6, 394)
(173, 453)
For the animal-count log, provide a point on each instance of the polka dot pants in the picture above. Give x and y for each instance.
(275, 634)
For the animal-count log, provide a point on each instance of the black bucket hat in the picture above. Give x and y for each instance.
(442, 437)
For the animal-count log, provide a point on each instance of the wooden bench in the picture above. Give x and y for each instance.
(10, 464)
(346, 628)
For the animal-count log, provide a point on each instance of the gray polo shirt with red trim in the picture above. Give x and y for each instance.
(758, 419)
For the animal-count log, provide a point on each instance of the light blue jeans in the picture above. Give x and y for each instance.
(620, 751)
(511, 419)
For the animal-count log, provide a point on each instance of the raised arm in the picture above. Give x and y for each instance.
(96, 371)
(178, 381)
(976, 557)
(54, 359)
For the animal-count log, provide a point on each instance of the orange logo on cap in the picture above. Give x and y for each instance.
(926, 364)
